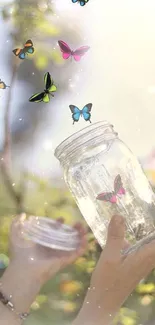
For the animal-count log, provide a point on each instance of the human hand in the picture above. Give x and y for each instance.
(42, 262)
(115, 276)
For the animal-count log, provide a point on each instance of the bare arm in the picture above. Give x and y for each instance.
(23, 287)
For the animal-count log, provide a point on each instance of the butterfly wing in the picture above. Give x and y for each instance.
(29, 43)
(2, 85)
(47, 80)
(46, 98)
(29, 47)
(77, 54)
(86, 112)
(107, 197)
(82, 3)
(37, 97)
(17, 52)
(30, 50)
(76, 112)
(22, 55)
(52, 89)
(65, 49)
(118, 185)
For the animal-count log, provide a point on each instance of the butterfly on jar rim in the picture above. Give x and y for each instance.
(85, 112)
(112, 196)
(82, 2)
(68, 53)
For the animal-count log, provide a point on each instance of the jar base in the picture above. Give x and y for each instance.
(139, 244)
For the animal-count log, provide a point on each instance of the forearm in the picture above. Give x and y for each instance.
(98, 309)
(23, 289)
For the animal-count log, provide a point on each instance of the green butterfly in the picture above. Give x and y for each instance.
(50, 88)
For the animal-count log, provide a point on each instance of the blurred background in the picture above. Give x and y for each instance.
(118, 76)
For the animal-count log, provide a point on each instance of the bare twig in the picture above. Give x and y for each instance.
(5, 162)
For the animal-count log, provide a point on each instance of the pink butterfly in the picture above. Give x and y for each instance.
(112, 196)
(67, 52)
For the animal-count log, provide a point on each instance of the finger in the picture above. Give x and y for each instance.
(60, 220)
(80, 228)
(115, 236)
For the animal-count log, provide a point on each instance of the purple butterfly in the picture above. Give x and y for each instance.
(67, 52)
(112, 196)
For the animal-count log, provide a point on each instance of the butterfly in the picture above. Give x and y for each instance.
(82, 2)
(28, 49)
(50, 88)
(67, 52)
(85, 112)
(112, 196)
(3, 85)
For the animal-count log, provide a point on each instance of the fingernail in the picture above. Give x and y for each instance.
(118, 219)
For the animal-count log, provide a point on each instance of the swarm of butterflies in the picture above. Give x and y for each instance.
(50, 88)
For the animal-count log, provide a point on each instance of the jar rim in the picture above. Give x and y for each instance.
(88, 130)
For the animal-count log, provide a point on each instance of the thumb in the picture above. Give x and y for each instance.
(115, 236)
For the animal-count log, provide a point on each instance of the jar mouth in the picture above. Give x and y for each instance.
(94, 132)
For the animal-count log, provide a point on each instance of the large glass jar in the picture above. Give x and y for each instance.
(97, 162)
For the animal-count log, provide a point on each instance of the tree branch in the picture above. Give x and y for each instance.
(5, 162)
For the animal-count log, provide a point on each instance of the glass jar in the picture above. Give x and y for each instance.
(97, 162)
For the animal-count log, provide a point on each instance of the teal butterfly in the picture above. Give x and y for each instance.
(85, 112)
(50, 88)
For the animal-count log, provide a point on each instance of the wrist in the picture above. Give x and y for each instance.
(20, 285)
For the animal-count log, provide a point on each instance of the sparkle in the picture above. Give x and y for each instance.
(20, 119)
(93, 288)
(2, 158)
(72, 85)
(7, 41)
(33, 73)
(53, 48)
(10, 296)
(31, 258)
(87, 302)
(13, 184)
(99, 306)
(45, 203)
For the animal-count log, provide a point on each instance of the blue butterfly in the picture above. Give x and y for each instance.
(85, 112)
(82, 2)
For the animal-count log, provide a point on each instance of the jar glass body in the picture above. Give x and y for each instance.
(91, 166)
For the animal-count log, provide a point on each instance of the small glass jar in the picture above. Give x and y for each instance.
(97, 162)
